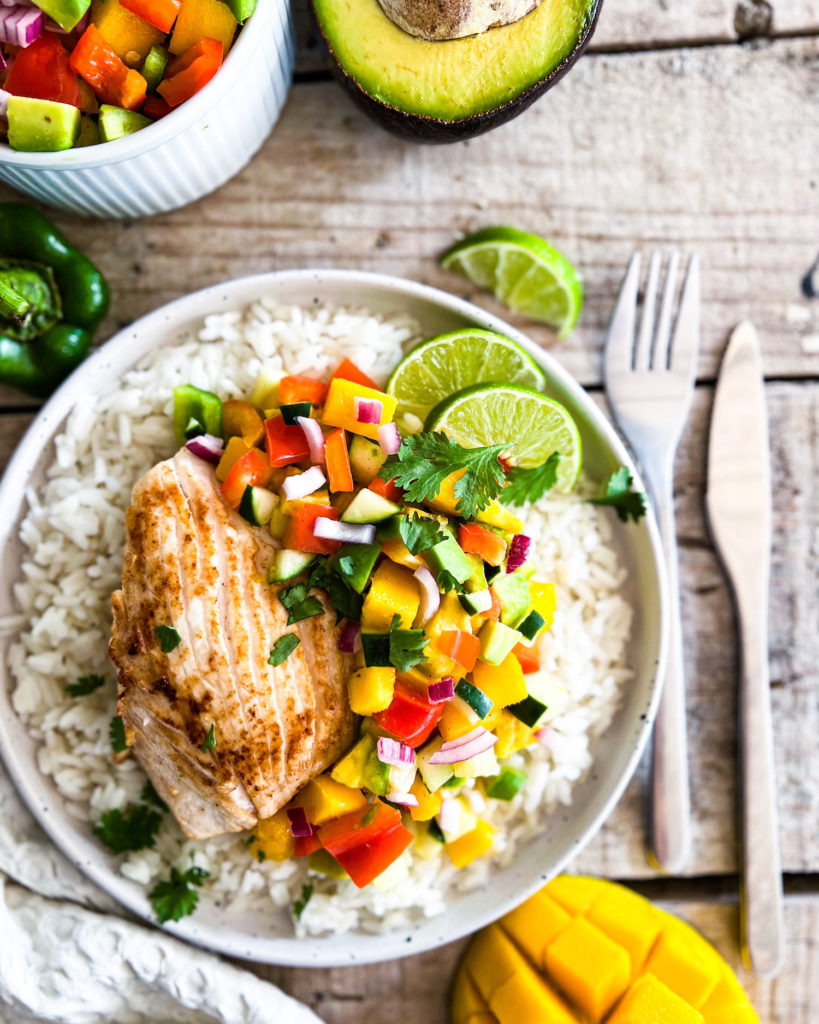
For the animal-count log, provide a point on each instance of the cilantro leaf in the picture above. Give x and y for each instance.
(175, 897)
(346, 566)
(627, 504)
(168, 637)
(420, 532)
(446, 581)
(343, 599)
(210, 739)
(85, 685)
(425, 460)
(530, 484)
(303, 900)
(298, 604)
(283, 648)
(135, 828)
(116, 732)
(150, 796)
(291, 596)
(406, 646)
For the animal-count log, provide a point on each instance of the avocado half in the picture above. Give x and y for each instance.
(448, 90)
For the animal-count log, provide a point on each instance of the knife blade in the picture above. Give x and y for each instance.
(738, 506)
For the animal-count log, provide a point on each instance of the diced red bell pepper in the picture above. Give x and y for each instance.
(529, 658)
(305, 845)
(159, 13)
(286, 443)
(357, 827)
(339, 474)
(347, 370)
(43, 71)
(461, 646)
(156, 107)
(477, 540)
(112, 80)
(366, 862)
(410, 716)
(191, 71)
(299, 533)
(250, 470)
(388, 489)
(301, 389)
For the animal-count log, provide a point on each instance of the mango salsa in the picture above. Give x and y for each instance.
(393, 591)
(340, 407)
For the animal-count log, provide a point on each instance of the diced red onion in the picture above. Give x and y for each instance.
(395, 752)
(300, 827)
(207, 447)
(545, 736)
(441, 691)
(303, 484)
(389, 438)
(449, 815)
(20, 26)
(430, 595)
(347, 533)
(518, 551)
(368, 410)
(349, 639)
(406, 799)
(476, 742)
(315, 437)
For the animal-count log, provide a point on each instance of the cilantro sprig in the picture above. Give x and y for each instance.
(406, 646)
(343, 599)
(530, 484)
(298, 604)
(85, 685)
(135, 828)
(628, 504)
(175, 897)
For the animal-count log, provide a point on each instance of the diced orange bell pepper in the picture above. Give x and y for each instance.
(159, 13)
(203, 19)
(250, 470)
(115, 83)
(387, 489)
(124, 32)
(529, 658)
(478, 540)
(240, 419)
(461, 646)
(339, 474)
(299, 534)
(305, 845)
(301, 389)
(191, 71)
(347, 370)
(286, 443)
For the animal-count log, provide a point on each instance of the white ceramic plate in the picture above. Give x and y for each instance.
(267, 935)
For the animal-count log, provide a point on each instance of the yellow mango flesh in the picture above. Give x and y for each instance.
(393, 591)
(587, 951)
(324, 799)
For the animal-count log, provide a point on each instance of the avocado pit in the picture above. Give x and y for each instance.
(439, 20)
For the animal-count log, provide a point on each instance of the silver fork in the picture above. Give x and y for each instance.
(649, 377)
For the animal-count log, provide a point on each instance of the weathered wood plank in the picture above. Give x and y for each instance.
(709, 148)
(415, 991)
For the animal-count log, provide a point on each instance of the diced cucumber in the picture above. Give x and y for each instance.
(287, 564)
(355, 562)
(530, 710)
(116, 123)
(497, 641)
(507, 785)
(434, 832)
(290, 413)
(257, 505)
(376, 649)
(549, 692)
(366, 458)
(478, 766)
(532, 625)
(434, 775)
(447, 555)
(369, 507)
(512, 590)
(474, 697)
(477, 602)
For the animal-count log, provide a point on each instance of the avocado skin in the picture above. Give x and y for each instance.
(432, 130)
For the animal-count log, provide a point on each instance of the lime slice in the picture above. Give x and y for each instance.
(533, 425)
(523, 271)
(441, 366)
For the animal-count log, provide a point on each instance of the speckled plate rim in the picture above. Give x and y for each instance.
(617, 752)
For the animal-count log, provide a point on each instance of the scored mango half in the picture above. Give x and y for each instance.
(586, 951)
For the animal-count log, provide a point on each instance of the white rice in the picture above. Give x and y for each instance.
(74, 535)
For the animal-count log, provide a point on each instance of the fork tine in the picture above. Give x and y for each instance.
(660, 356)
(642, 351)
(686, 343)
(620, 335)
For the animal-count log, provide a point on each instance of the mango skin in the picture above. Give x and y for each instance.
(588, 951)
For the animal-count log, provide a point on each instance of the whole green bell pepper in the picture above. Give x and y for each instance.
(52, 299)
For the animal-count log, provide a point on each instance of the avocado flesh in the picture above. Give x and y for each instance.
(453, 79)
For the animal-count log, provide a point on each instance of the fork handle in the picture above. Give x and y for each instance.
(670, 796)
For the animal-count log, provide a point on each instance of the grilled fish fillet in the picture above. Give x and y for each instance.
(193, 564)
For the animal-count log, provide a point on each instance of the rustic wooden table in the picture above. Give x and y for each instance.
(676, 127)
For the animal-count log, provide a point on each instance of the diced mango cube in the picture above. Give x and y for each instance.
(501, 518)
(455, 722)
(324, 799)
(428, 803)
(628, 919)
(575, 893)
(503, 684)
(648, 1001)
(340, 407)
(534, 924)
(468, 1006)
(234, 450)
(469, 847)
(512, 735)
(728, 1004)
(685, 970)
(274, 840)
(397, 551)
(544, 601)
(370, 690)
(393, 591)
(592, 970)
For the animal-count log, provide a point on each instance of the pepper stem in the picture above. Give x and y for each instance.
(13, 304)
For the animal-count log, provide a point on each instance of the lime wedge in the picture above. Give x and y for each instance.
(533, 425)
(523, 271)
(441, 366)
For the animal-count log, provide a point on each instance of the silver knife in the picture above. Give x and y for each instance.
(738, 503)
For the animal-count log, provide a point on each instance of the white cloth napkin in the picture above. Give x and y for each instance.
(66, 956)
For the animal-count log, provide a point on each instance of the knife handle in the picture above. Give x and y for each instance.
(670, 795)
(762, 924)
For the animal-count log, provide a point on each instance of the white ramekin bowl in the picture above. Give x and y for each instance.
(186, 154)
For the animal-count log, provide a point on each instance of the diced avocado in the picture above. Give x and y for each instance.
(531, 625)
(257, 505)
(512, 590)
(529, 711)
(506, 785)
(41, 126)
(287, 564)
(116, 123)
(474, 697)
(290, 413)
(324, 863)
(355, 563)
(376, 649)
(89, 132)
(477, 581)
(369, 507)
(447, 555)
(477, 602)
(361, 769)
(497, 640)
(242, 9)
(366, 458)
(65, 12)
(153, 67)
(434, 775)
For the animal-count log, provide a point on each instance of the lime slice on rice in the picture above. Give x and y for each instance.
(524, 271)
(533, 425)
(448, 363)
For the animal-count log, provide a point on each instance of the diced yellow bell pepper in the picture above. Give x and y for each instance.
(568, 958)
(454, 722)
(203, 19)
(124, 32)
(371, 690)
(677, 965)
(324, 799)
(503, 684)
(648, 1001)
(544, 601)
(428, 803)
(274, 838)
(512, 735)
(234, 450)
(393, 591)
(398, 552)
(339, 407)
(469, 847)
